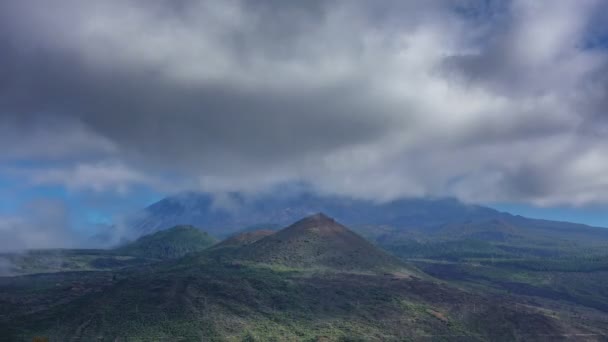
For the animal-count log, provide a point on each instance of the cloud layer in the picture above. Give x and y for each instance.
(483, 100)
(39, 224)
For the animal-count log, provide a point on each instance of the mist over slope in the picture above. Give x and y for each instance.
(411, 218)
(234, 212)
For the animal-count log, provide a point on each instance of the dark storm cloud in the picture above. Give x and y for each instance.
(371, 99)
(140, 108)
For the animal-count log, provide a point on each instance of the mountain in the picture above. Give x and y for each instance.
(224, 215)
(169, 244)
(506, 236)
(415, 227)
(331, 290)
(417, 218)
(318, 241)
(244, 238)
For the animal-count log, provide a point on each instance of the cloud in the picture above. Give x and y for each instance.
(47, 139)
(39, 224)
(6, 267)
(51, 223)
(99, 177)
(483, 100)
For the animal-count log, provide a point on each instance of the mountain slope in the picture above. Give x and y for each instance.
(244, 238)
(238, 298)
(230, 213)
(319, 241)
(169, 244)
(416, 218)
(214, 302)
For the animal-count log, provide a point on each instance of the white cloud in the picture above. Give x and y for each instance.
(39, 224)
(376, 100)
(96, 177)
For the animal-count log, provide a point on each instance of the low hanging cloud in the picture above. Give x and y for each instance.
(483, 100)
(38, 224)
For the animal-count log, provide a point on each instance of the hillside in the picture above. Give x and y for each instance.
(318, 241)
(262, 211)
(315, 280)
(210, 301)
(169, 244)
(245, 238)
(385, 223)
(64, 260)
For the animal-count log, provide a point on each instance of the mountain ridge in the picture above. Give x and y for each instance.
(384, 223)
(319, 241)
(235, 211)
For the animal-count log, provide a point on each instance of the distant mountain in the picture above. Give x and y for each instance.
(318, 241)
(225, 215)
(388, 224)
(169, 244)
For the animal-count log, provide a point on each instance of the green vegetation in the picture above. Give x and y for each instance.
(573, 279)
(446, 250)
(564, 267)
(319, 241)
(313, 281)
(177, 301)
(244, 238)
(169, 244)
(63, 260)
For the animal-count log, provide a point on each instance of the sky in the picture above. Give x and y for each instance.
(107, 106)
